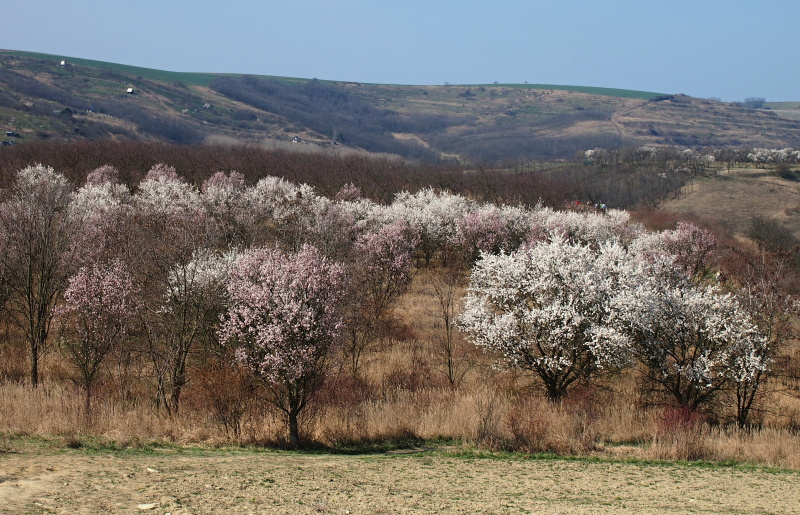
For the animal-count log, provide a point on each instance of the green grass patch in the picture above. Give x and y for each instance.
(782, 105)
(413, 448)
(204, 79)
(477, 453)
(188, 78)
(607, 92)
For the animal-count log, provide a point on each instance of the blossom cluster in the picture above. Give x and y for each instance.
(285, 313)
(764, 156)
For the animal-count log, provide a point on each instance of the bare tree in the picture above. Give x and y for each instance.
(446, 283)
(36, 239)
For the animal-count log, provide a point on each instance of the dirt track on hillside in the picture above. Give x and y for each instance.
(220, 482)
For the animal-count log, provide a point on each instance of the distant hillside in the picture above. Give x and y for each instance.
(43, 99)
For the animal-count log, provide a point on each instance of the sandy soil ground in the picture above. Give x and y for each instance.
(279, 482)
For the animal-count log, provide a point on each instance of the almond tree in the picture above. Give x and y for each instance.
(98, 307)
(34, 257)
(482, 230)
(285, 322)
(436, 216)
(765, 285)
(225, 199)
(381, 272)
(101, 208)
(166, 231)
(545, 308)
(694, 341)
(692, 247)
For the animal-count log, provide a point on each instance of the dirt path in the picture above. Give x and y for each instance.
(277, 482)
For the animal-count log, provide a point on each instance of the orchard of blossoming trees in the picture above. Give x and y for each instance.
(147, 287)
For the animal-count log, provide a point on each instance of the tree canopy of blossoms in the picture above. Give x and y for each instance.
(381, 272)
(102, 209)
(435, 214)
(164, 192)
(98, 306)
(285, 321)
(544, 309)
(34, 253)
(694, 341)
(224, 197)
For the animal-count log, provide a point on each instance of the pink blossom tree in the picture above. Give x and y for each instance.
(98, 307)
(692, 247)
(285, 321)
(381, 271)
(349, 193)
(101, 208)
(482, 230)
(102, 175)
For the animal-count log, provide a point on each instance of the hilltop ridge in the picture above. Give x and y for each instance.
(48, 97)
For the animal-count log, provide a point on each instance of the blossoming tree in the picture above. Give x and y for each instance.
(544, 309)
(381, 272)
(285, 320)
(94, 318)
(34, 253)
(694, 341)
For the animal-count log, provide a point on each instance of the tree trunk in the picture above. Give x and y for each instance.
(34, 364)
(294, 433)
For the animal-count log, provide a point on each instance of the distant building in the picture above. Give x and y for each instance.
(130, 91)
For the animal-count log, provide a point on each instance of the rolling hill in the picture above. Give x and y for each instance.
(48, 97)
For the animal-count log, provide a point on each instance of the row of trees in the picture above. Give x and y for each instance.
(287, 283)
(765, 156)
(691, 159)
(570, 310)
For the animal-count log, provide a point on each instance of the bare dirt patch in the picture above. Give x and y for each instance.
(176, 482)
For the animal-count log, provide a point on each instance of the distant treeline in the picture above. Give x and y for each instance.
(621, 185)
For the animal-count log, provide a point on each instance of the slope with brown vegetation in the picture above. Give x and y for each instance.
(734, 198)
(490, 123)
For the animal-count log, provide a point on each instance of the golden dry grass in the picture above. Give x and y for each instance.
(734, 198)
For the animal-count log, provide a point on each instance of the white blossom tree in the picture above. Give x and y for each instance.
(694, 341)
(544, 309)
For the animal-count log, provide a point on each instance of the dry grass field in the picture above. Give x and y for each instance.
(404, 398)
(38, 479)
(734, 197)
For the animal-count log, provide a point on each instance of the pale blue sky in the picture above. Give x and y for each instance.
(726, 49)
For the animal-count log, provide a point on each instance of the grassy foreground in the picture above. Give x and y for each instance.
(40, 476)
